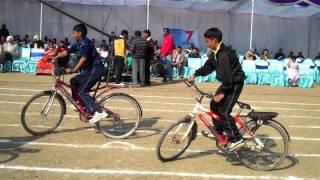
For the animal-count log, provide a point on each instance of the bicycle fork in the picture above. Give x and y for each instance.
(47, 107)
(185, 134)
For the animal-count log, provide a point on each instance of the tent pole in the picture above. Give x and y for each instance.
(148, 13)
(251, 27)
(41, 14)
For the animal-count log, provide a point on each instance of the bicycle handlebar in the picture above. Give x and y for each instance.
(197, 89)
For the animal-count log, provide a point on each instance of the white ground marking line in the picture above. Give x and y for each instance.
(167, 110)
(306, 127)
(131, 172)
(173, 120)
(174, 97)
(115, 145)
(177, 97)
(192, 104)
(152, 132)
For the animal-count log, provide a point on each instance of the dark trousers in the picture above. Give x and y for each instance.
(147, 71)
(118, 66)
(224, 109)
(82, 84)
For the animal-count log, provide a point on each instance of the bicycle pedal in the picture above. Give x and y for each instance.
(208, 135)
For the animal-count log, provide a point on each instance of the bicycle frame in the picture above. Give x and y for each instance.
(199, 111)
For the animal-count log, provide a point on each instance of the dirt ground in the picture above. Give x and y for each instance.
(77, 151)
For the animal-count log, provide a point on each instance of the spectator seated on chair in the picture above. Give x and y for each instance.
(194, 53)
(62, 62)
(279, 55)
(318, 57)
(45, 65)
(293, 71)
(250, 55)
(26, 40)
(300, 55)
(37, 43)
(178, 60)
(265, 55)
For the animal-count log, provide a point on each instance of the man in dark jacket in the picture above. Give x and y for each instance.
(229, 71)
(149, 55)
(139, 48)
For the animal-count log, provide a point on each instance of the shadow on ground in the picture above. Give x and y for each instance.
(12, 147)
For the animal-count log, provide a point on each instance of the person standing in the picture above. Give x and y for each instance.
(166, 54)
(139, 49)
(120, 55)
(149, 55)
(4, 31)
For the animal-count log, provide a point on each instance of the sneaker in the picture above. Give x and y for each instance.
(236, 145)
(120, 84)
(97, 117)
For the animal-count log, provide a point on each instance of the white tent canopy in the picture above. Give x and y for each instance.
(239, 6)
(290, 27)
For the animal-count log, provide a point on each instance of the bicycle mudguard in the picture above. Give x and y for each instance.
(60, 98)
(122, 94)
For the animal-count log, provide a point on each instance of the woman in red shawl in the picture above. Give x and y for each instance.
(62, 62)
(45, 66)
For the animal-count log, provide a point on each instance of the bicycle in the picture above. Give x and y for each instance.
(259, 130)
(44, 112)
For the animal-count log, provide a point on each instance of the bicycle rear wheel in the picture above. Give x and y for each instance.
(266, 149)
(43, 113)
(174, 140)
(124, 116)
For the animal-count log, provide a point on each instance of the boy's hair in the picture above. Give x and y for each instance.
(178, 47)
(81, 28)
(137, 33)
(166, 30)
(124, 32)
(213, 33)
(147, 31)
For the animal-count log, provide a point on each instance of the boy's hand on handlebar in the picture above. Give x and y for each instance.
(191, 79)
(68, 71)
(218, 98)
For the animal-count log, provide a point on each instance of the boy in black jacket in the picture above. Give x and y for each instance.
(229, 71)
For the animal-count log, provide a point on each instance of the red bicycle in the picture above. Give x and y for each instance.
(44, 112)
(266, 140)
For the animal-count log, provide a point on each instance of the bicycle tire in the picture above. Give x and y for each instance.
(135, 105)
(164, 135)
(253, 126)
(24, 112)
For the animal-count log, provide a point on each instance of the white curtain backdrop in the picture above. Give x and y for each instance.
(292, 34)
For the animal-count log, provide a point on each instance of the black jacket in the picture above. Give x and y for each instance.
(139, 48)
(228, 68)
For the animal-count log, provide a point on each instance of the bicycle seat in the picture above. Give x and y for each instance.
(262, 115)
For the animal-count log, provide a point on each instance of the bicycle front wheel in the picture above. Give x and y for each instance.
(43, 113)
(124, 116)
(175, 140)
(266, 149)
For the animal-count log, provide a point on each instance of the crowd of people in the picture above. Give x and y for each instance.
(292, 66)
(143, 50)
(253, 54)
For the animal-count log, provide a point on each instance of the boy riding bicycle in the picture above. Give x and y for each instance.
(229, 71)
(92, 71)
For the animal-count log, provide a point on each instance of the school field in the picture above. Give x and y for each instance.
(77, 151)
